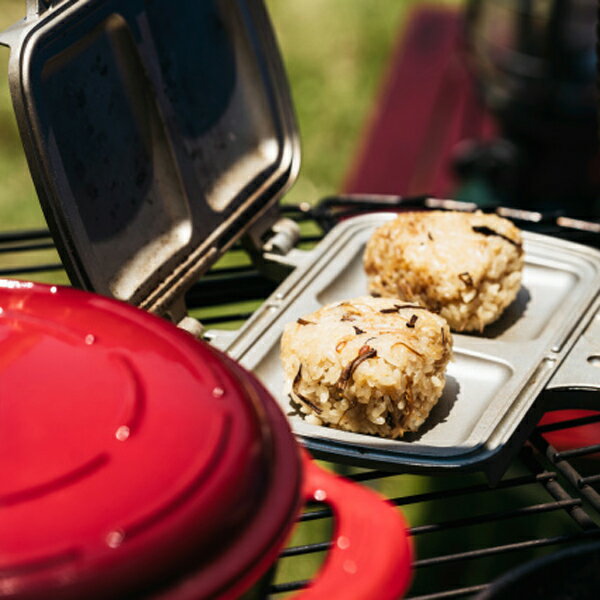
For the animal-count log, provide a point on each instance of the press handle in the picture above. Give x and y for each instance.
(371, 552)
(580, 369)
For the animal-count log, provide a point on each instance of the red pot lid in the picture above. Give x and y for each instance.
(134, 459)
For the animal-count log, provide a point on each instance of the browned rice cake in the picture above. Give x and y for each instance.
(465, 266)
(370, 365)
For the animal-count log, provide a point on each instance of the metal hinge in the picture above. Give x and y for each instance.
(177, 314)
(273, 249)
(273, 252)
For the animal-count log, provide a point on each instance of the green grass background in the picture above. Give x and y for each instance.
(18, 202)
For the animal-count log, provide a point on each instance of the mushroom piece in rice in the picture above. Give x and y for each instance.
(466, 266)
(370, 365)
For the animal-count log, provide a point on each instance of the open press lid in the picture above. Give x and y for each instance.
(156, 134)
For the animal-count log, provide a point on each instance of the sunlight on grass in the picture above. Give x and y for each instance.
(335, 53)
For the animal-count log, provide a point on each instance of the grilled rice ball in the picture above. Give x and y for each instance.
(370, 365)
(465, 266)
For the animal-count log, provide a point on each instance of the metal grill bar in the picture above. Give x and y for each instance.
(27, 247)
(495, 550)
(569, 471)
(305, 549)
(46, 268)
(583, 481)
(445, 526)
(25, 235)
(562, 425)
(292, 586)
(444, 494)
(495, 517)
(242, 284)
(457, 593)
(557, 491)
(474, 489)
(567, 454)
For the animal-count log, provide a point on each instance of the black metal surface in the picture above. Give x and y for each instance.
(154, 136)
(465, 532)
(570, 573)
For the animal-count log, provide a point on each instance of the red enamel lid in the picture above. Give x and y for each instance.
(134, 459)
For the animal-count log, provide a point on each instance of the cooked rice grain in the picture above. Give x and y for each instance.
(369, 365)
(465, 266)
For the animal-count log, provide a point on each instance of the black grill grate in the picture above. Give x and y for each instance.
(466, 533)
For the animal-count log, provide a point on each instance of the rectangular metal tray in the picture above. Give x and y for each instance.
(488, 406)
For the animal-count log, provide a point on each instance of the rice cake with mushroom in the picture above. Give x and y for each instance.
(465, 266)
(369, 365)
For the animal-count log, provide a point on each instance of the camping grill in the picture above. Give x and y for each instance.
(192, 198)
(466, 532)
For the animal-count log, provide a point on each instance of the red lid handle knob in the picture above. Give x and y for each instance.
(371, 554)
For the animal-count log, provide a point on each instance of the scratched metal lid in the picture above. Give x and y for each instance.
(156, 134)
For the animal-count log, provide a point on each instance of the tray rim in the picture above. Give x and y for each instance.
(409, 455)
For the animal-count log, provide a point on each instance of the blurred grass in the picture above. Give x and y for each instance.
(19, 207)
(335, 52)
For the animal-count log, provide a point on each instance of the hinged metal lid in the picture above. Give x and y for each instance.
(156, 134)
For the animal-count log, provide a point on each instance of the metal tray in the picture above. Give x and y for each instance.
(489, 403)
